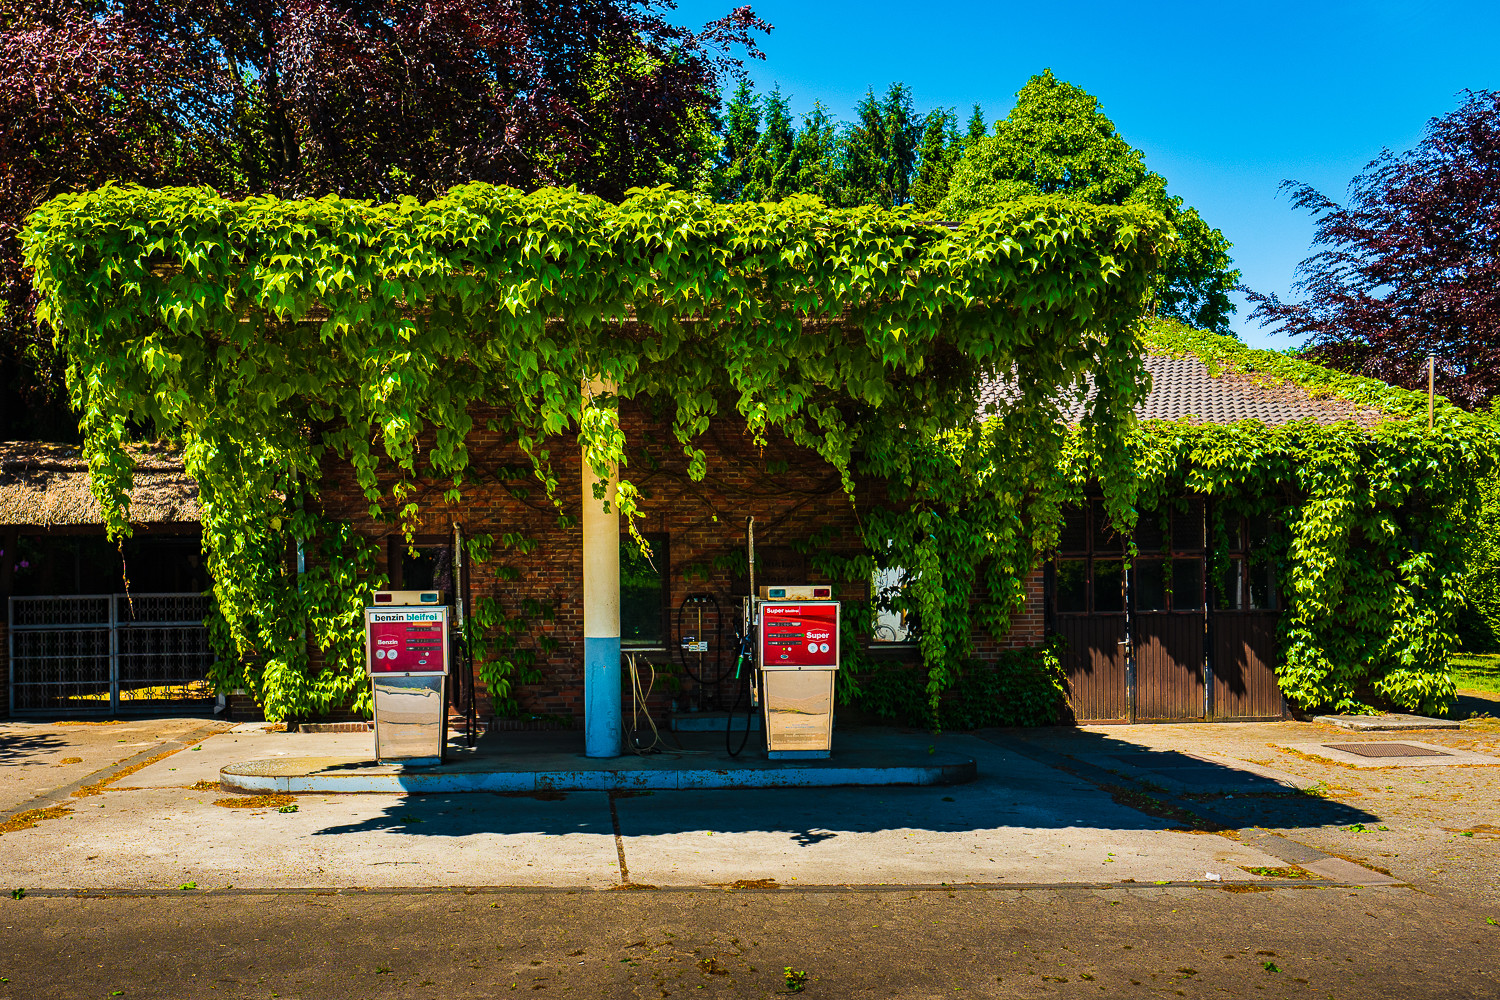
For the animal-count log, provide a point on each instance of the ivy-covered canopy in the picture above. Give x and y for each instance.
(269, 337)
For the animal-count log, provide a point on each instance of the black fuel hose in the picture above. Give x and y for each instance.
(742, 661)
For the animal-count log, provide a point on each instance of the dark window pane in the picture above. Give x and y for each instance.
(1149, 537)
(1109, 585)
(1150, 585)
(1074, 535)
(1105, 538)
(1229, 594)
(1187, 527)
(1262, 586)
(1259, 531)
(1187, 584)
(1234, 528)
(643, 592)
(429, 568)
(1070, 585)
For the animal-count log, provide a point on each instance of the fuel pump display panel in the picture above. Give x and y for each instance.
(408, 642)
(798, 635)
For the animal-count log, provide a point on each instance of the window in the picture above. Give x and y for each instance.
(643, 593)
(1151, 585)
(1248, 579)
(1187, 585)
(1070, 582)
(430, 567)
(1109, 585)
(894, 621)
(1088, 571)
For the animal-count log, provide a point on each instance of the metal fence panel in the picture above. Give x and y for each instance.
(103, 653)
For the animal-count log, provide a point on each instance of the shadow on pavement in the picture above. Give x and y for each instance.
(1228, 796)
(1469, 704)
(26, 748)
(1021, 784)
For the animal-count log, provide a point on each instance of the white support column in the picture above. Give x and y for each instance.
(603, 725)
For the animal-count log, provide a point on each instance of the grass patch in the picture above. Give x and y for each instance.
(1291, 871)
(31, 817)
(1476, 671)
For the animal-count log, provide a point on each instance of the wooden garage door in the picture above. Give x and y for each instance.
(1168, 667)
(1243, 630)
(1095, 666)
(1244, 666)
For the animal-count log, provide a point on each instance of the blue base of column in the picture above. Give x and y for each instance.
(603, 725)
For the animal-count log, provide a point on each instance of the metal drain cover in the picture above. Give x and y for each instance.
(1386, 750)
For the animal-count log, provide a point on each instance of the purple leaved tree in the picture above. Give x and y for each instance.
(1410, 267)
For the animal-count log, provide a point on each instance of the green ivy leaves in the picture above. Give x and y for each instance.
(275, 340)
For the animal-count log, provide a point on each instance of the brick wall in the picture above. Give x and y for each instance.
(702, 521)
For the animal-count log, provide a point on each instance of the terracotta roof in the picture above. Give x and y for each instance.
(44, 485)
(1182, 388)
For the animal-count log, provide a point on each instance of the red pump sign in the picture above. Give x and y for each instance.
(799, 634)
(406, 641)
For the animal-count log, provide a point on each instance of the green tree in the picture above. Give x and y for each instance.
(770, 176)
(977, 127)
(1057, 140)
(814, 168)
(880, 150)
(940, 149)
(739, 135)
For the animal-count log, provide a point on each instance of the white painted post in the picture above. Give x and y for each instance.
(603, 725)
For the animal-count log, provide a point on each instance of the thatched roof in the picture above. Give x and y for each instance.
(47, 485)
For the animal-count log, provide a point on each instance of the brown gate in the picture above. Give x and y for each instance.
(1190, 658)
(1243, 633)
(1095, 665)
(1244, 648)
(1088, 603)
(1168, 667)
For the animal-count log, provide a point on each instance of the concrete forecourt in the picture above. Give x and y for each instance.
(1145, 860)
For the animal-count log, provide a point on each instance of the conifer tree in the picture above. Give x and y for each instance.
(741, 132)
(977, 127)
(880, 150)
(814, 167)
(769, 176)
(940, 149)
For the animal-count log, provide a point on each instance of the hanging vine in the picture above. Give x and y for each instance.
(274, 340)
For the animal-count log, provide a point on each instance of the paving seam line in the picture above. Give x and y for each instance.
(1291, 852)
(614, 818)
(489, 890)
(57, 796)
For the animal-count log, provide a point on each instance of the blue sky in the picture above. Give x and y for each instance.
(1225, 101)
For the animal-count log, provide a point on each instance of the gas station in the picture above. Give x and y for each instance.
(778, 732)
(708, 328)
(779, 670)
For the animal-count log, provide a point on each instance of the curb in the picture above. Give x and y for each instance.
(291, 775)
